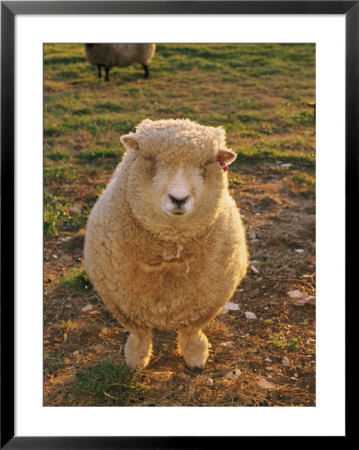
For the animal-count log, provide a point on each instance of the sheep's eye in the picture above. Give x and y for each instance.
(152, 162)
(207, 163)
(204, 167)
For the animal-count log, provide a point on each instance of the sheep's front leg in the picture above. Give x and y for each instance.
(107, 69)
(138, 348)
(146, 69)
(193, 345)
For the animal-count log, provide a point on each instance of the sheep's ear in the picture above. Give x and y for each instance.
(129, 142)
(227, 156)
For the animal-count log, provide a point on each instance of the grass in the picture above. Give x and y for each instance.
(255, 91)
(108, 383)
(97, 153)
(53, 363)
(58, 219)
(60, 173)
(75, 279)
(278, 341)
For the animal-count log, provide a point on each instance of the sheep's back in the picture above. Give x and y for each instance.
(120, 55)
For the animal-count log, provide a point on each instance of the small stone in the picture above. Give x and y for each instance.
(99, 347)
(250, 315)
(76, 209)
(299, 250)
(253, 261)
(233, 374)
(268, 360)
(252, 236)
(226, 344)
(231, 306)
(269, 368)
(286, 165)
(210, 382)
(305, 301)
(62, 239)
(76, 352)
(264, 384)
(55, 256)
(254, 269)
(285, 362)
(87, 308)
(295, 294)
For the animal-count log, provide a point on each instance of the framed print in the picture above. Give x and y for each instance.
(176, 181)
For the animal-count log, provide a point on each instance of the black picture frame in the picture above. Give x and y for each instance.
(9, 10)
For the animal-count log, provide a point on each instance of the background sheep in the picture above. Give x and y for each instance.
(165, 245)
(121, 55)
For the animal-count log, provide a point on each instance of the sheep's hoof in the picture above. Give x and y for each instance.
(195, 369)
(134, 362)
(138, 352)
(196, 361)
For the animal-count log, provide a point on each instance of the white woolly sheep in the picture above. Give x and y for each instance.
(121, 55)
(165, 245)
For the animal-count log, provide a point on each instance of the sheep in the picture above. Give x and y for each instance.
(121, 55)
(165, 246)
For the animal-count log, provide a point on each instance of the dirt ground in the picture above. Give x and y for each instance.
(266, 360)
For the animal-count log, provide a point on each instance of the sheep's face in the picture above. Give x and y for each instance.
(177, 189)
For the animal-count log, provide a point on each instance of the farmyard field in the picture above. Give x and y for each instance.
(263, 352)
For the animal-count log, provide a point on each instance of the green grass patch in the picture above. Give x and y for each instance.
(108, 383)
(279, 341)
(53, 363)
(65, 173)
(58, 155)
(235, 178)
(253, 155)
(57, 216)
(265, 262)
(76, 279)
(304, 179)
(97, 153)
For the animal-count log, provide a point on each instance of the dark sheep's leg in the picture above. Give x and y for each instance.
(99, 70)
(107, 71)
(147, 72)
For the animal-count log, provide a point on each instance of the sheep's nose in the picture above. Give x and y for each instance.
(178, 201)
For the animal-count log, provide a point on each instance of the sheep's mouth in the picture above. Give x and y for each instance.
(175, 211)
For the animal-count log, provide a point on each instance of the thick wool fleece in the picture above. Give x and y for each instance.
(121, 55)
(156, 270)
